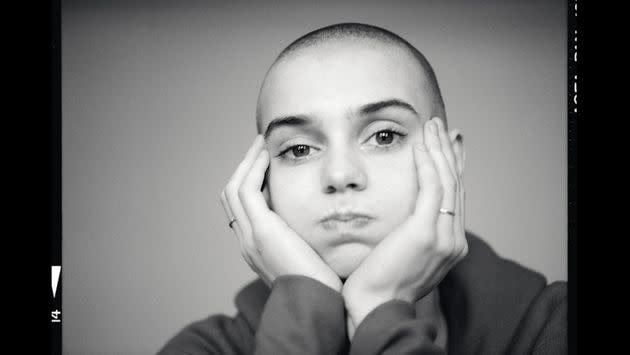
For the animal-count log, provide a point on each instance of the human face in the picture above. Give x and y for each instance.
(341, 120)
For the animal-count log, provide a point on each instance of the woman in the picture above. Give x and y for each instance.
(349, 205)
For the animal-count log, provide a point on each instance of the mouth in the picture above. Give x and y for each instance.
(345, 220)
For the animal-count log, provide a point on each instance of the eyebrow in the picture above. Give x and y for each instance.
(380, 105)
(300, 120)
(293, 121)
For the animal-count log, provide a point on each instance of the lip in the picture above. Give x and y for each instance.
(338, 220)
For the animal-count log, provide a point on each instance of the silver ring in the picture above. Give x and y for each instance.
(442, 210)
(232, 222)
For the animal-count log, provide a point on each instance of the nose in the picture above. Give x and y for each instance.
(343, 170)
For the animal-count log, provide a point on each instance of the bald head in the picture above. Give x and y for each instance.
(369, 36)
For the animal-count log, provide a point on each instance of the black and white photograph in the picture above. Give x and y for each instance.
(314, 177)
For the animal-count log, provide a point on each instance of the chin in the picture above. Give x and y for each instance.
(345, 258)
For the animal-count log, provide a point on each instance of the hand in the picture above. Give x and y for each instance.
(417, 255)
(268, 244)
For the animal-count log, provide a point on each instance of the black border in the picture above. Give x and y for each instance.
(52, 143)
(573, 82)
(54, 171)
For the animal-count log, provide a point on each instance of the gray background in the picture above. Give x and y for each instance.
(158, 109)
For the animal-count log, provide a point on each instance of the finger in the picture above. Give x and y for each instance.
(458, 150)
(250, 195)
(458, 231)
(448, 182)
(230, 215)
(238, 232)
(233, 186)
(448, 149)
(249, 255)
(447, 146)
(429, 187)
(445, 222)
(226, 207)
(460, 225)
(462, 194)
(250, 156)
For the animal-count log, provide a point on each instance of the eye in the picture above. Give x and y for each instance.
(297, 152)
(385, 137)
(300, 150)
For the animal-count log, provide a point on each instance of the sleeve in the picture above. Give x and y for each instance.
(392, 328)
(543, 330)
(302, 316)
(218, 334)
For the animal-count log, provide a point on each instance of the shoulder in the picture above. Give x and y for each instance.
(486, 274)
(220, 333)
(543, 329)
(489, 299)
(216, 334)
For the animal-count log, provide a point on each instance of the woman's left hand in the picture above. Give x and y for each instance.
(412, 260)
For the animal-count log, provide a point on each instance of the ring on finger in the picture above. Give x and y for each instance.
(445, 211)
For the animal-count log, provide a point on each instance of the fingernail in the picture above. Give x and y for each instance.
(432, 127)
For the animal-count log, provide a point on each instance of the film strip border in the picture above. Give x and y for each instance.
(573, 45)
(55, 227)
(55, 299)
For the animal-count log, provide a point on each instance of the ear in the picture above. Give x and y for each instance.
(457, 140)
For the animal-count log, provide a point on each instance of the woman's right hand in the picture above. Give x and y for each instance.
(268, 244)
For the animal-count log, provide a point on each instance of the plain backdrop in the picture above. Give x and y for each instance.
(158, 110)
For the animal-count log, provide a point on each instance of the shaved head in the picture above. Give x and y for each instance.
(358, 33)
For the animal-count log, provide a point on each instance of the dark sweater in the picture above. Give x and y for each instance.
(491, 305)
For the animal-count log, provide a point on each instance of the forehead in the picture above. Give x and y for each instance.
(335, 78)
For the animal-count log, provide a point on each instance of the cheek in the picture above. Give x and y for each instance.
(394, 186)
(289, 189)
